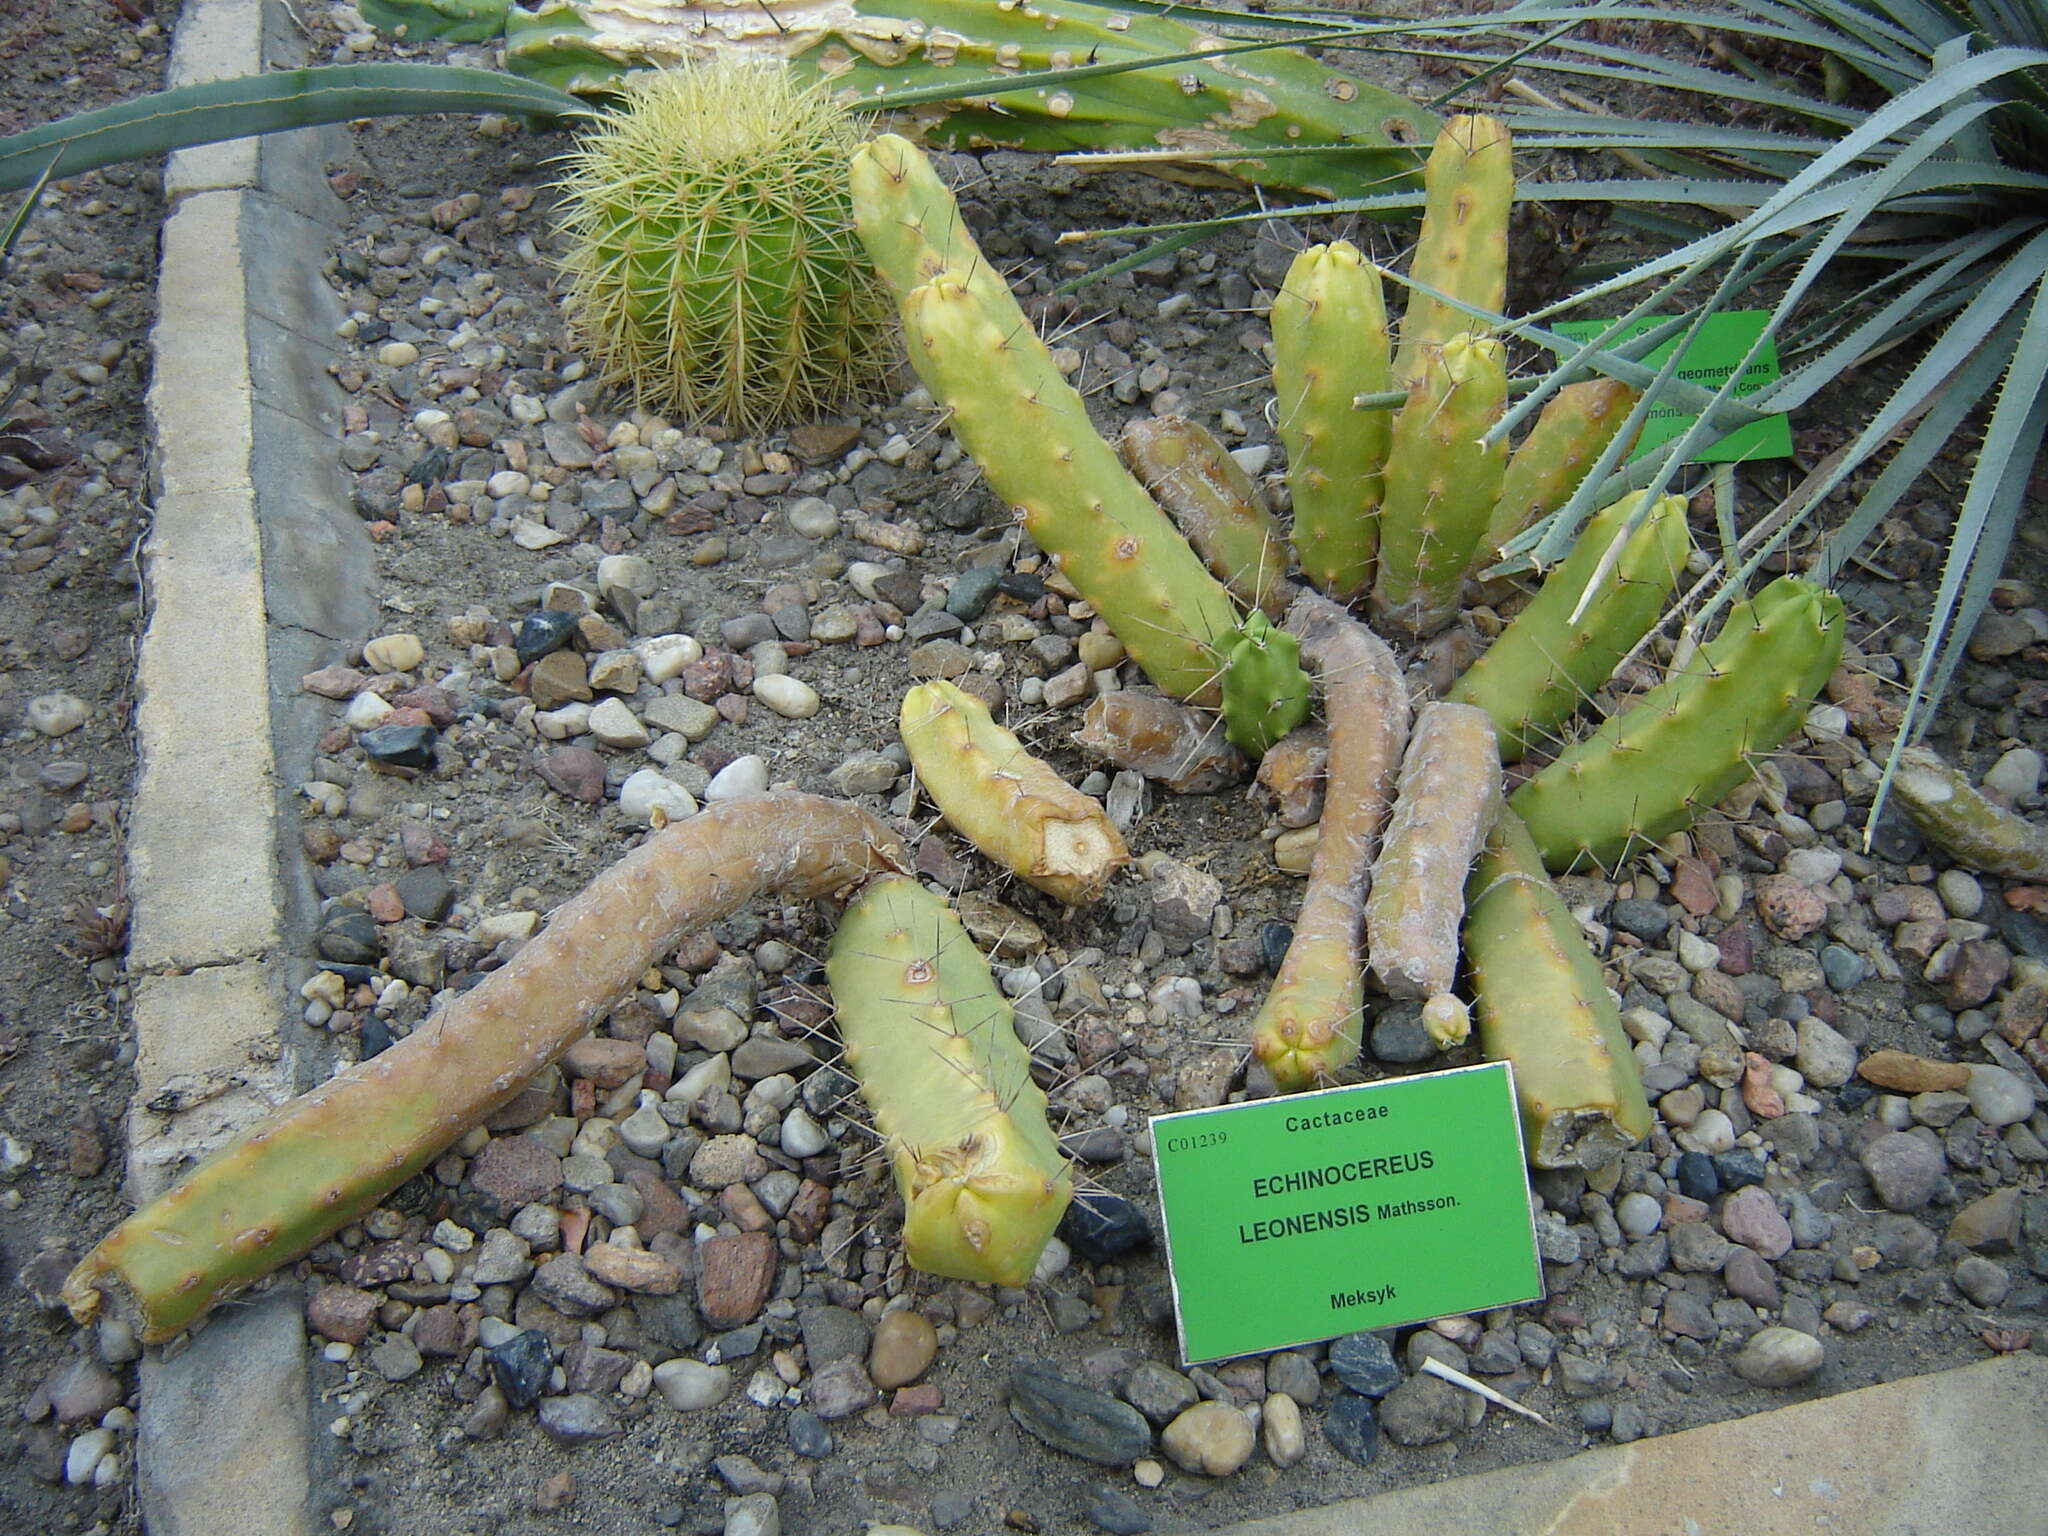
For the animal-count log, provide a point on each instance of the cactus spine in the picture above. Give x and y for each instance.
(1006, 802)
(1449, 795)
(1544, 1006)
(1570, 434)
(331, 1154)
(1213, 501)
(1646, 773)
(710, 265)
(1330, 346)
(1543, 667)
(934, 1047)
(1311, 1024)
(1442, 482)
(1462, 252)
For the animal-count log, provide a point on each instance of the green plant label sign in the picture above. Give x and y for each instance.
(1295, 1219)
(1717, 350)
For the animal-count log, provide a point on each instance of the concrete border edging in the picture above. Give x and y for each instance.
(254, 572)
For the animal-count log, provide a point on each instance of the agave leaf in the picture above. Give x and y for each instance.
(293, 98)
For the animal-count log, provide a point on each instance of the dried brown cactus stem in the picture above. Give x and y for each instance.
(1311, 1025)
(330, 1155)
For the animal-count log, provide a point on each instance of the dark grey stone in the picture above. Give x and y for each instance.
(1352, 1428)
(1364, 1363)
(1076, 1419)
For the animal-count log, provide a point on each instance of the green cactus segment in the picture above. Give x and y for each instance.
(1442, 482)
(1213, 501)
(1543, 667)
(332, 1154)
(1330, 346)
(1569, 436)
(1029, 430)
(1265, 692)
(1543, 1005)
(1449, 796)
(1647, 773)
(1960, 820)
(1463, 249)
(711, 261)
(452, 21)
(934, 1047)
(1243, 115)
(1006, 802)
(1310, 1027)
(908, 220)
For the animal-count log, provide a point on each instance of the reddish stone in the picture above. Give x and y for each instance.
(385, 904)
(445, 1331)
(407, 717)
(512, 1171)
(735, 1272)
(1982, 966)
(910, 1402)
(334, 682)
(1737, 944)
(436, 703)
(661, 1208)
(419, 844)
(1789, 909)
(1897, 904)
(810, 1210)
(709, 676)
(342, 1313)
(731, 707)
(633, 1269)
(745, 1208)
(576, 772)
(1692, 886)
(1720, 993)
(606, 1063)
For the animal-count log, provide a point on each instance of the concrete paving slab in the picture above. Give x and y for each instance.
(1957, 1453)
(221, 1442)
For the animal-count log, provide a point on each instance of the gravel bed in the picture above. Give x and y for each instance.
(665, 1285)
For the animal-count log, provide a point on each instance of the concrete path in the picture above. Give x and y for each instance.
(1958, 1453)
(257, 573)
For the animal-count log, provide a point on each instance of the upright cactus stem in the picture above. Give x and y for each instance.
(1029, 430)
(1442, 481)
(905, 215)
(1330, 346)
(934, 1047)
(1648, 772)
(1463, 249)
(1570, 434)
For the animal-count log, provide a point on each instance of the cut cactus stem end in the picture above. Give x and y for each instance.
(1544, 1006)
(1311, 1025)
(328, 1156)
(1009, 804)
(934, 1046)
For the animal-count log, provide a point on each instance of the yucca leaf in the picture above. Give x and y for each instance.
(216, 110)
